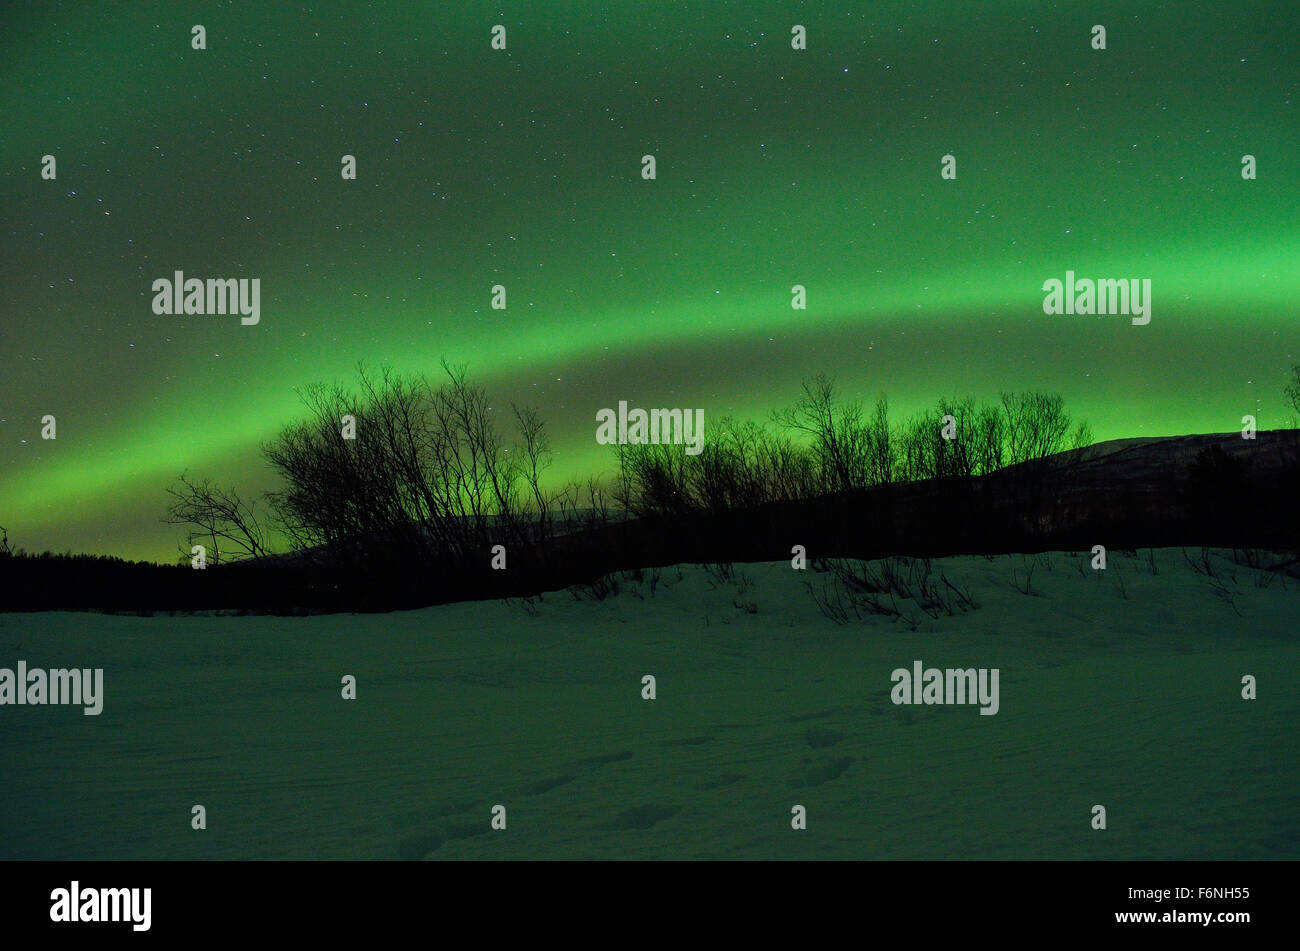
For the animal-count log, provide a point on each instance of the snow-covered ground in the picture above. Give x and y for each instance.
(1120, 688)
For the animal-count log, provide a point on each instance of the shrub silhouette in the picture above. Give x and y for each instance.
(823, 446)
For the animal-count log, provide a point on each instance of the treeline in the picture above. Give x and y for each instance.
(404, 470)
(405, 491)
(824, 445)
(51, 581)
(415, 488)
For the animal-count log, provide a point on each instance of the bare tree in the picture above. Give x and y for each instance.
(653, 479)
(1292, 389)
(425, 472)
(839, 438)
(227, 522)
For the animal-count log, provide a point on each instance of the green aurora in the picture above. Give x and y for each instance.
(522, 167)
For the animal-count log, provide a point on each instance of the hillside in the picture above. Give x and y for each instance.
(1120, 688)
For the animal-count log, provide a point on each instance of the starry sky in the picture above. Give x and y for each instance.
(522, 167)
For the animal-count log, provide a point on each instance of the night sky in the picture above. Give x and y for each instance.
(522, 167)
